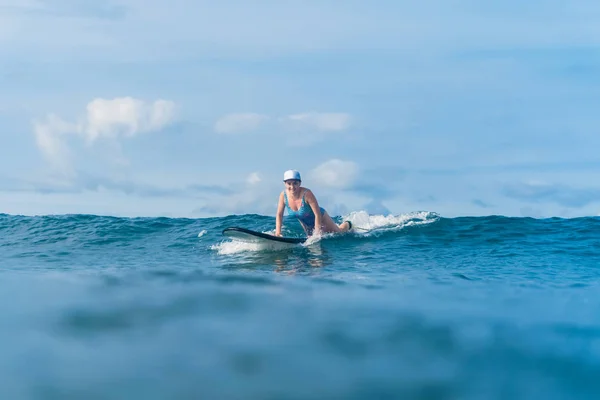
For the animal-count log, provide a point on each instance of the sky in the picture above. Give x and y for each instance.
(193, 108)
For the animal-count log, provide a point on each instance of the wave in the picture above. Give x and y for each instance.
(364, 225)
(90, 231)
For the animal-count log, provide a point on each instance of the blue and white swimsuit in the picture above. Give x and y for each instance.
(304, 214)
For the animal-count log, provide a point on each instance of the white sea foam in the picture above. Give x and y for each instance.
(366, 225)
(237, 246)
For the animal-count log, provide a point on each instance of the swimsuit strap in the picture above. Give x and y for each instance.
(303, 202)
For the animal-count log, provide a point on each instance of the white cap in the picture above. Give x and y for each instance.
(291, 174)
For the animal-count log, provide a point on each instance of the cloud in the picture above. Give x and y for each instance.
(124, 116)
(540, 192)
(49, 135)
(376, 207)
(324, 122)
(254, 178)
(335, 174)
(240, 123)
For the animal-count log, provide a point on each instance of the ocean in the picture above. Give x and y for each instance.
(412, 306)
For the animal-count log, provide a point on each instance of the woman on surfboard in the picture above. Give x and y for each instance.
(301, 203)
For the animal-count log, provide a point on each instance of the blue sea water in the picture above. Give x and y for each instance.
(413, 306)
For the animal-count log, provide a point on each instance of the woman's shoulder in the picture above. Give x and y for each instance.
(308, 192)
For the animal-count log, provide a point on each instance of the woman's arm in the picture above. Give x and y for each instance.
(279, 216)
(314, 204)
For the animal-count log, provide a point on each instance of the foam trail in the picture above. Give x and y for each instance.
(313, 239)
(236, 246)
(366, 225)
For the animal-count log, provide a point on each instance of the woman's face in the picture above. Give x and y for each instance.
(292, 185)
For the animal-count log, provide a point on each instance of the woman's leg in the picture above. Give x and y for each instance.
(306, 228)
(329, 224)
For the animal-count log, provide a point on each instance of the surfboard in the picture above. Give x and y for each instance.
(248, 235)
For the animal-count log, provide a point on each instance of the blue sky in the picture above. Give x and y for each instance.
(189, 108)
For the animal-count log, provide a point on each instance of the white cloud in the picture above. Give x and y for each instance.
(124, 116)
(325, 122)
(239, 123)
(254, 178)
(49, 139)
(335, 173)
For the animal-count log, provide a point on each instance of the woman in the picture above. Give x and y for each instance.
(302, 204)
